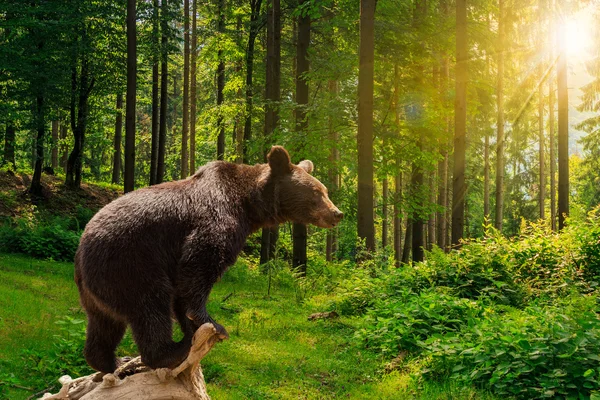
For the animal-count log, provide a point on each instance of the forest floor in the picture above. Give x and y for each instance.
(274, 351)
(58, 200)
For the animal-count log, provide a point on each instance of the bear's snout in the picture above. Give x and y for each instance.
(337, 214)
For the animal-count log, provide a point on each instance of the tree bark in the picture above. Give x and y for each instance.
(563, 133)
(54, 152)
(64, 148)
(500, 123)
(130, 117)
(398, 178)
(460, 124)
(164, 93)
(551, 122)
(186, 90)
(220, 84)
(116, 171)
(299, 231)
(272, 95)
(194, 86)
(36, 185)
(366, 223)
(155, 100)
(333, 174)
(542, 156)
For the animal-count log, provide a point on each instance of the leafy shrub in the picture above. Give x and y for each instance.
(539, 352)
(588, 238)
(405, 320)
(39, 239)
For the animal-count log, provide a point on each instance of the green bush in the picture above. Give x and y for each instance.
(38, 239)
(538, 352)
(588, 239)
(405, 320)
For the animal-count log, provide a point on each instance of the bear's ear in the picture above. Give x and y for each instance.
(279, 160)
(307, 165)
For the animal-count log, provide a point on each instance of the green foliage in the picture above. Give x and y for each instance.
(406, 319)
(540, 352)
(40, 239)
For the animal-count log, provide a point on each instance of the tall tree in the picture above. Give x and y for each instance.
(302, 43)
(164, 91)
(54, 154)
(155, 89)
(272, 96)
(9, 145)
(460, 124)
(442, 221)
(130, 117)
(542, 156)
(563, 131)
(116, 170)
(194, 86)
(366, 223)
(220, 83)
(333, 173)
(500, 121)
(186, 89)
(398, 177)
(552, 145)
(255, 6)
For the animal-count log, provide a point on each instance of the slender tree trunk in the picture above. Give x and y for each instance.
(366, 223)
(220, 84)
(299, 230)
(542, 191)
(186, 90)
(551, 123)
(36, 185)
(500, 125)
(164, 94)
(155, 105)
(333, 174)
(417, 223)
(64, 148)
(54, 152)
(130, 117)
(194, 87)
(116, 171)
(486, 178)
(460, 124)
(431, 223)
(238, 133)
(9, 145)
(384, 216)
(272, 94)
(398, 178)
(563, 133)
(408, 241)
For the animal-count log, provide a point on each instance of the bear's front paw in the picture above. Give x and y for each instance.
(221, 330)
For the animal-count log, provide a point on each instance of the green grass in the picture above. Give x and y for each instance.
(274, 352)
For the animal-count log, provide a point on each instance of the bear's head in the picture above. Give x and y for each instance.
(302, 198)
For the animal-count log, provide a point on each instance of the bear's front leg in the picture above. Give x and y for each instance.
(194, 284)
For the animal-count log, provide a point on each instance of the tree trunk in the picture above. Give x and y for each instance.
(500, 125)
(417, 223)
(366, 223)
(186, 90)
(486, 178)
(130, 117)
(299, 230)
(36, 185)
(398, 179)
(54, 152)
(272, 95)
(333, 174)
(384, 216)
(155, 105)
(79, 117)
(431, 223)
(64, 148)
(9, 145)
(220, 84)
(408, 241)
(460, 124)
(542, 156)
(563, 133)
(164, 94)
(552, 150)
(194, 86)
(116, 172)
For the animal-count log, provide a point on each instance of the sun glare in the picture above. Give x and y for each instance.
(578, 34)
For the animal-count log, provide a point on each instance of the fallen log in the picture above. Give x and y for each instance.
(135, 381)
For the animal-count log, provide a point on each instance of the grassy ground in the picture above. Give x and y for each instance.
(274, 352)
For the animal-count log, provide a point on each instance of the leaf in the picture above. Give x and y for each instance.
(588, 373)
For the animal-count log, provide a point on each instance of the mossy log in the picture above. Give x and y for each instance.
(135, 381)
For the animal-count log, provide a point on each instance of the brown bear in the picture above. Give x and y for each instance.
(158, 251)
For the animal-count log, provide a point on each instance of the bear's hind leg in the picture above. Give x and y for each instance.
(154, 337)
(103, 336)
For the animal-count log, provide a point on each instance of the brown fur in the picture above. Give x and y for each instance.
(159, 250)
